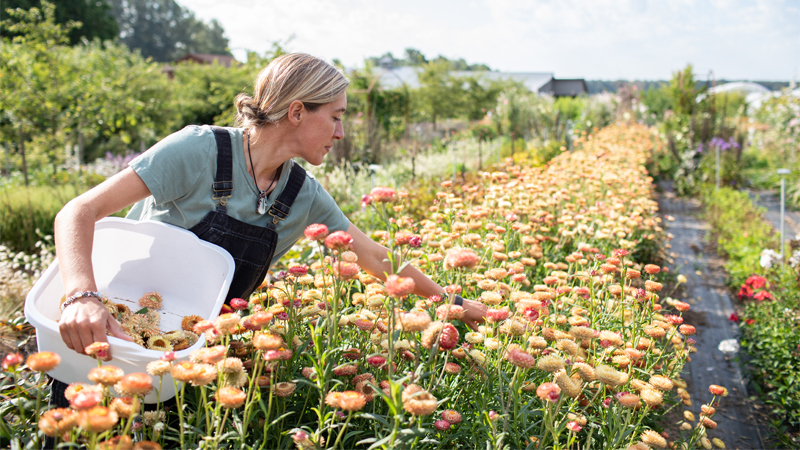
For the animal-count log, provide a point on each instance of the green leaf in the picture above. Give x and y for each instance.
(142, 311)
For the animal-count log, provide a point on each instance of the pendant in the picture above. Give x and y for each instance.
(261, 205)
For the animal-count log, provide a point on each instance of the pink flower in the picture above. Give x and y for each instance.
(239, 304)
(12, 360)
(442, 425)
(733, 317)
(316, 232)
(338, 240)
(345, 270)
(168, 356)
(383, 194)
(366, 200)
(399, 286)
(460, 258)
(574, 426)
(298, 270)
(453, 289)
(449, 338)
(548, 391)
(498, 314)
(86, 400)
(376, 361)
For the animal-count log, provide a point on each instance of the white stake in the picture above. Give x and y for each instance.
(783, 172)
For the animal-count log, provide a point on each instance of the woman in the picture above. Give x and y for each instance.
(235, 187)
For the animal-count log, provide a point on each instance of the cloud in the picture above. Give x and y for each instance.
(645, 39)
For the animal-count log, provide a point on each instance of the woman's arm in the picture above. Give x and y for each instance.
(86, 320)
(372, 257)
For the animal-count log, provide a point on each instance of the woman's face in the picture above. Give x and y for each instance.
(320, 128)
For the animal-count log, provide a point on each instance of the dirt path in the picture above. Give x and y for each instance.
(740, 423)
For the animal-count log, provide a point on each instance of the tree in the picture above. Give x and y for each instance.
(31, 71)
(440, 94)
(164, 30)
(415, 57)
(94, 16)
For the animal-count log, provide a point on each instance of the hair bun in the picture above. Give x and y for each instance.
(248, 112)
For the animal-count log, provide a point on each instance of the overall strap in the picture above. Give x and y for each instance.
(283, 204)
(223, 181)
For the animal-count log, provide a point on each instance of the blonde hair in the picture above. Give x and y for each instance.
(296, 76)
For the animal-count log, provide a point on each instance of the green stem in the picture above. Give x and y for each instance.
(179, 407)
(344, 427)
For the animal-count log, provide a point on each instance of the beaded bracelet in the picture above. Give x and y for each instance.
(80, 294)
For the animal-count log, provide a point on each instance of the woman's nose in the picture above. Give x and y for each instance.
(338, 132)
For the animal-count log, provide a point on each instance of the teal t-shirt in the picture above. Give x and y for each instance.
(180, 170)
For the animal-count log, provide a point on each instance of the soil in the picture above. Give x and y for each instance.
(742, 423)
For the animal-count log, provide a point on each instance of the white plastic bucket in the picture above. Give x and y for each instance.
(132, 258)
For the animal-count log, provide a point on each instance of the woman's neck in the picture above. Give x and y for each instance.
(267, 153)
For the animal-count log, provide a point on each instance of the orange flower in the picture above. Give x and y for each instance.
(106, 375)
(230, 397)
(117, 443)
(418, 401)
(718, 390)
(210, 355)
(98, 419)
(185, 371)
(345, 270)
(399, 286)
(204, 374)
(123, 406)
(347, 400)
(151, 300)
(135, 384)
(460, 258)
(189, 322)
(382, 194)
(57, 421)
(339, 240)
(98, 350)
(43, 361)
(414, 320)
(549, 392)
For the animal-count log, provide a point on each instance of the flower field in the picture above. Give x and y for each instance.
(582, 346)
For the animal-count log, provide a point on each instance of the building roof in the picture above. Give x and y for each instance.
(205, 58)
(568, 87)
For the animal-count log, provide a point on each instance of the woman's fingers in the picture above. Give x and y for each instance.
(116, 329)
(84, 323)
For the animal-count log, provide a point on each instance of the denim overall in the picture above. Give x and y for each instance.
(251, 246)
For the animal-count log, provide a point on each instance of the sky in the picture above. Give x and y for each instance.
(591, 39)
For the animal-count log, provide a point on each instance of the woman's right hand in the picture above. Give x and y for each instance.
(85, 322)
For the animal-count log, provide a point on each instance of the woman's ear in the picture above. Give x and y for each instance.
(296, 112)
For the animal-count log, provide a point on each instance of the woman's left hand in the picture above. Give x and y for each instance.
(474, 313)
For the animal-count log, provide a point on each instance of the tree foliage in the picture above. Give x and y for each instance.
(165, 31)
(94, 16)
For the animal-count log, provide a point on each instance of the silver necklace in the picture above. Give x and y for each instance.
(261, 203)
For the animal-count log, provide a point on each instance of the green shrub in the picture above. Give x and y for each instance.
(770, 332)
(24, 210)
